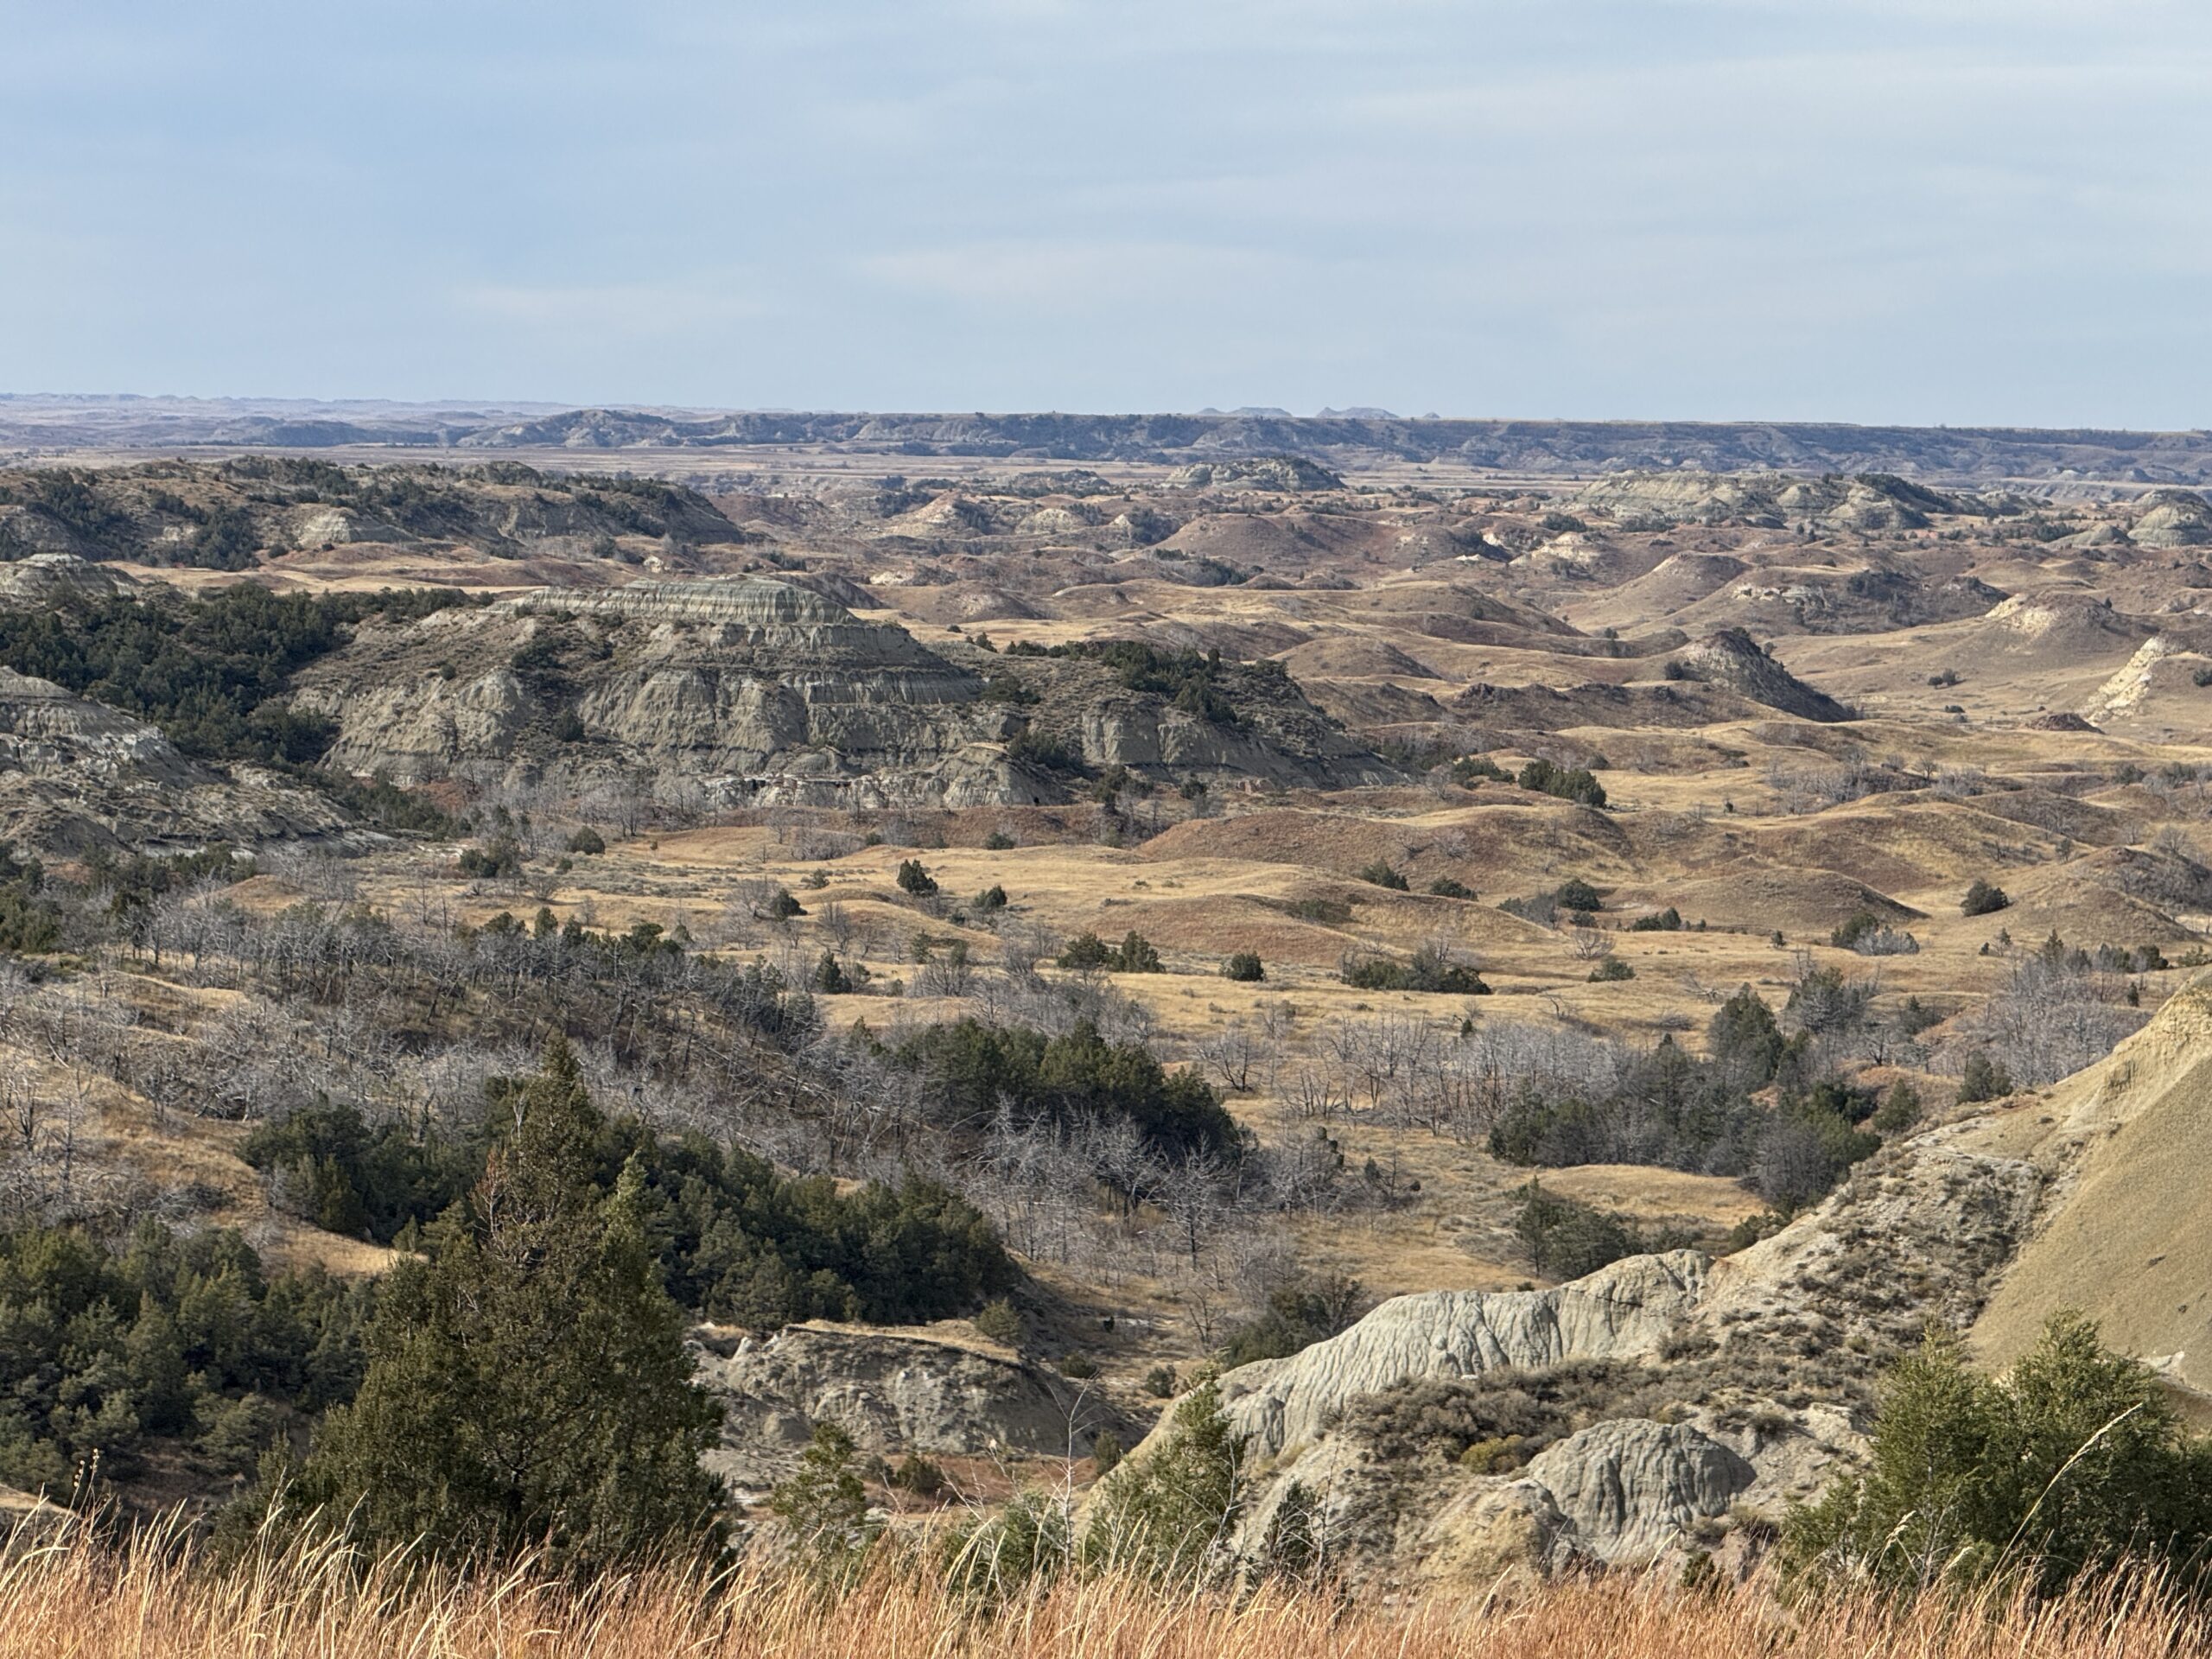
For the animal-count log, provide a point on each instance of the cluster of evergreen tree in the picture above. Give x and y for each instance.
(1680, 1112)
(187, 1347)
(30, 922)
(1195, 681)
(733, 1238)
(210, 670)
(2074, 1462)
(1067, 1081)
(527, 1385)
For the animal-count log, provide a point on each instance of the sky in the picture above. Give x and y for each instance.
(1970, 212)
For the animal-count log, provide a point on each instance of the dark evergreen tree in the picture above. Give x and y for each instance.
(527, 1382)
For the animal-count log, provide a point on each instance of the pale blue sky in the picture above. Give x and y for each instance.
(1968, 210)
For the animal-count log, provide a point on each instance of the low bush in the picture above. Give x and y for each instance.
(1578, 784)
(1428, 971)
(1984, 899)
(1983, 1079)
(1135, 954)
(1565, 1238)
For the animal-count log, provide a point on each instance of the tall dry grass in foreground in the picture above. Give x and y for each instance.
(74, 1598)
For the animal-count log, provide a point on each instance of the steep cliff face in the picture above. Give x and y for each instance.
(76, 775)
(743, 690)
(749, 690)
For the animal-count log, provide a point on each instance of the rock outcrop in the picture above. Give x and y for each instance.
(1621, 1312)
(1733, 660)
(1868, 501)
(54, 578)
(76, 775)
(894, 1394)
(1627, 1490)
(1675, 1389)
(743, 690)
(1280, 473)
(750, 690)
(2173, 518)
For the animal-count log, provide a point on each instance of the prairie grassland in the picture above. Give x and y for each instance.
(155, 1600)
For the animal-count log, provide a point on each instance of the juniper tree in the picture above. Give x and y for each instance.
(527, 1382)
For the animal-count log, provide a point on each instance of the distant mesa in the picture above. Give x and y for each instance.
(1870, 501)
(1282, 473)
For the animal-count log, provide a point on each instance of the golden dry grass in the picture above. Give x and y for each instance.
(154, 1601)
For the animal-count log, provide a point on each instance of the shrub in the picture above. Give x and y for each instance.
(991, 897)
(1745, 1040)
(1310, 1309)
(1034, 748)
(1167, 1514)
(1983, 1079)
(157, 1345)
(823, 1508)
(782, 906)
(1467, 769)
(1578, 895)
(537, 1322)
(1609, 971)
(1428, 969)
(829, 977)
(1245, 967)
(1565, 1238)
(1899, 1111)
(1578, 786)
(1160, 1382)
(1804, 1149)
(913, 878)
(1447, 887)
(2073, 1463)
(1105, 1452)
(499, 859)
(1086, 950)
(1000, 1321)
(1080, 1366)
(587, 840)
(997, 841)
(1382, 875)
(972, 1073)
(1538, 907)
(1135, 954)
(921, 1476)
(1669, 920)
(1983, 899)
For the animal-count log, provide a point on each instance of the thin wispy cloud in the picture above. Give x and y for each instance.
(1864, 209)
